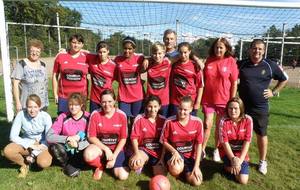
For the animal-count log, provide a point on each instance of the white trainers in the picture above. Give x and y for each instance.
(262, 167)
(216, 156)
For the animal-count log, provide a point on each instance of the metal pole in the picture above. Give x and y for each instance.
(58, 31)
(282, 44)
(25, 41)
(177, 28)
(267, 44)
(17, 53)
(6, 65)
(49, 41)
(241, 50)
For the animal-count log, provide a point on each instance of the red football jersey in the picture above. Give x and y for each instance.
(73, 74)
(183, 138)
(148, 133)
(158, 80)
(108, 130)
(219, 75)
(235, 135)
(130, 84)
(102, 76)
(185, 80)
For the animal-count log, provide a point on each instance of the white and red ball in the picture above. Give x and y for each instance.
(159, 182)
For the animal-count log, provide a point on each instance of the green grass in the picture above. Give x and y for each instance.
(283, 157)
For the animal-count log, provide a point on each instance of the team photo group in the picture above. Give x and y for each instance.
(150, 119)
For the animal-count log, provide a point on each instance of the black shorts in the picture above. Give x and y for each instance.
(260, 123)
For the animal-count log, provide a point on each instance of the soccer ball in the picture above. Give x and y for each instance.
(159, 182)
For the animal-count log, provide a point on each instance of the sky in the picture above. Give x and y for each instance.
(191, 21)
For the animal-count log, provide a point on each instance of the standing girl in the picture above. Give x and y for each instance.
(235, 133)
(182, 137)
(186, 79)
(220, 76)
(70, 73)
(158, 76)
(107, 134)
(145, 135)
(131, 92)
(102, 71)
(31, 146)
(67, 136)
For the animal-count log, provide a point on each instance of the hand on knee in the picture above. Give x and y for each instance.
(194, 181)
(176, 169)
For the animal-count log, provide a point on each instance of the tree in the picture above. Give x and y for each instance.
(43, 12)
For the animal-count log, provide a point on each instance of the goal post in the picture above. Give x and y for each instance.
(6, 65)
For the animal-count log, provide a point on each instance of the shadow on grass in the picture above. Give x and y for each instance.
(143, 184)
(284, 115)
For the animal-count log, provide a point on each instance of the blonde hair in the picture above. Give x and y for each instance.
(157, 46)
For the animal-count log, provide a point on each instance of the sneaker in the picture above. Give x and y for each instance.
(23, 171)
(262, 167)
(97, 174)
(71, 171)
(216, 155)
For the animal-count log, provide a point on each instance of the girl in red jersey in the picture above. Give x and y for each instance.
(70, 73)
(102, 71)
(158, 76)
(220, 76)
(67, 136)
(186, 79)
(235, 134)
(107, 133)
(131, 93)
(182, 136)
(145, 135)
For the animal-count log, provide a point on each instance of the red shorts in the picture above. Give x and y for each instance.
(212, 108)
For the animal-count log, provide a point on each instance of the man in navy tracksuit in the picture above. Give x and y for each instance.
(256, 74)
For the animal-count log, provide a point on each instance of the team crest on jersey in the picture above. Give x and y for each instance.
(229, 132)
(175, 133)
(100, 124)
(224, 69)
(192, 132)
(66, 62)
(209, 67)
(144, 129)
(263, 72)
(117, 125)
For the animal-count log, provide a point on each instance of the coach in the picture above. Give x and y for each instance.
(256, 74)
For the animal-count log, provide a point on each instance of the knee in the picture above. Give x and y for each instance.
(90, 154)
(175, 170)
(44, 163)
(193, 180)
(121, 173)
(8, 151)
(243, 179)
